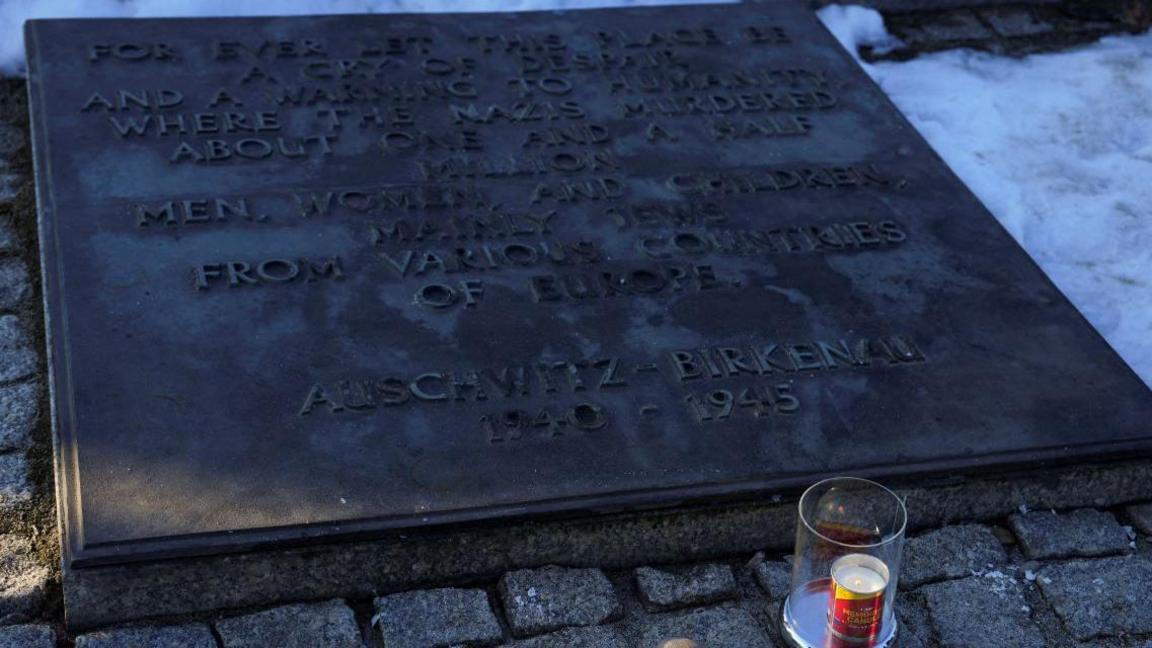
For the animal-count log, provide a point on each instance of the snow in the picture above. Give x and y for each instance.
(1058, 146)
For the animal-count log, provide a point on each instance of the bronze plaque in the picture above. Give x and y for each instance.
(329, 277)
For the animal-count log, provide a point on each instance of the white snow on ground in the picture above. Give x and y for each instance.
(1059, 147)
(13, 13)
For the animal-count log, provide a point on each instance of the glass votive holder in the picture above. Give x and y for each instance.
(849, 537)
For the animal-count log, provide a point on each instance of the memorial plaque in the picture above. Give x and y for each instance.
(311, 279)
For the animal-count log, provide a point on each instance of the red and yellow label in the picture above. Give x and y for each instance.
(853, 615)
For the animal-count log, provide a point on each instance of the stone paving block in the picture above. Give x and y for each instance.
(189, 635)
(10, 185)
(436, 618)
(773, 576)
(1141, 515)
(1084, 533)
(330, 624)
(15, 284)
(951, 552)
(22, 578)
(19, 407)
(662, 590)
(8, 238)
(915, 625)
(11, 139)
(901, 6)
(1114, 643)
(17, 357)
(589, 637)
(955, 26)
(1097, 598)
(27, 636)
(1134, 15)
(550, 598)
(15, 489)
(987, 610)
(1012, 22)
(723, 627)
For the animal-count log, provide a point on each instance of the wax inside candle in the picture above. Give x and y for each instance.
(860, 579)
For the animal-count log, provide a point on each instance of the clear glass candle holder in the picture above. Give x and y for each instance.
(849, 538)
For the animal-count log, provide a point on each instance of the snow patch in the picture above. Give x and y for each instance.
(1058, 147)
(856, 26)
(999, 582)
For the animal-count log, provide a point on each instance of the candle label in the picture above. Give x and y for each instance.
(854, 615)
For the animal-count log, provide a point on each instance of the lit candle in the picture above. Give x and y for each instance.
(856, 611)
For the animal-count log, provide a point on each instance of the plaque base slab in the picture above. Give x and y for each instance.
(107, 595)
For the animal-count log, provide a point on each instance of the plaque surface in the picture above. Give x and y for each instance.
(332, 277)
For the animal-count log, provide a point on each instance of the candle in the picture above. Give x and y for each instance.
(856, 610)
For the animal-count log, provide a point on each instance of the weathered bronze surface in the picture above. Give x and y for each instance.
(325, 278)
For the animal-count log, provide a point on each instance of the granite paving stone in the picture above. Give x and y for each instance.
(720, 627)
(1114, 642)
(330, 624)
(774, 577)
(1012, 22)
(1141, 515)
(17, 357)
(901, 6)
(437, 617)
(1081, 533)
(27, 636)
(951, 552)
(15, 284)
(589, 637)
(987, 610)
(11, 139)
(22, 578)
(15, 489)
(19, 407)
(961, 25)
(10, 185)
(669, 589)
(540, 600)
(1106, 597)
(8, 238)
(915, 625)
(189, 635)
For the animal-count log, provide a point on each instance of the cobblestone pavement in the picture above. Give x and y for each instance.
(1063, 578)
(29, 579)
(1014, 28)
(1034, 579)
